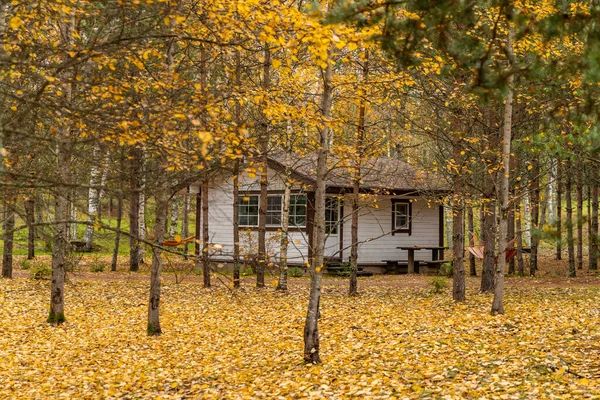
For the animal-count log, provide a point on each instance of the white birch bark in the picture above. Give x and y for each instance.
(527, 212)
(552, 192)
(174, 223)
(98, 178)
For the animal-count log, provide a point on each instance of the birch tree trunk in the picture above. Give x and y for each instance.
(9, 235)
(97, 181)
(142, 204)
(162, 206)
(535, 206)
(285, 223)
(134, 210)
(264, 184)
(552, 191)
(471, 227)
(311, 327)
(498, 302)
(30, 219)
(570, 244)
(527, 215)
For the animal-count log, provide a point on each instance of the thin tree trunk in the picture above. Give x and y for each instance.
(9, 235)
(519, 240)
(527, 219)
(134, 210)
(589, 224)
(535, 203)
(498, 302)
(97, 181)
(113, 265)
(174, 225)
(185, 223)
(458, 249)
(489, 239)
(311, 327)
(30, 219)
(205, 234)
(579, 218)
(552, 191)
(284, 240)
(356, 179)
(142, 204)
(510, 236)
(264, 184)
(594, 217)
(162, 207)
(236, 183)
(471, 227)
(570, 244)
(559, 189)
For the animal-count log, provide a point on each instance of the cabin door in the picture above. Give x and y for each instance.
(332, 227)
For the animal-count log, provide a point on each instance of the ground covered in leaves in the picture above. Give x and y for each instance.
(389, 342)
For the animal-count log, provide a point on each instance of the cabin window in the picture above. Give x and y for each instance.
(401, 218)
(332, 215)
(248, 211)
(298, 211)
(274, 210)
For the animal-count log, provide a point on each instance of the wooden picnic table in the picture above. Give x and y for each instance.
(435, 254)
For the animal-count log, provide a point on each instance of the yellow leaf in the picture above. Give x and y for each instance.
(15, 22)
(276, 63)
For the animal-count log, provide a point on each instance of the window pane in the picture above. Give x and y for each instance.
(401, 215)
(274, 209)
(248, 211)
(297, 211)
(331, 215)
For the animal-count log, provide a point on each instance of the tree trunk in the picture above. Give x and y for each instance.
(162, 207)
(236, 175)
(356, 179)
(236, 225)
(527, 219)
(471, 227)
(185, 228)
(510, 235)
(174, 225)
(458, 249)
(264, 185)
(142, 204)
(9, 235)
(60, 241)
(498, 302)
(134, 210)
(284, 240)
(205, 233)
(489, 239)
(311, 327)
(594, 217)
(570, 244)
(113, 265)
(30, 219)
(559, 189)
(72, 213)
(552, 191)
(579, 218)
(97, 181)
(519, 240)
(535, 206)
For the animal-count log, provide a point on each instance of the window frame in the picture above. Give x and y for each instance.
(294, 216)
(408, 227)
(249, 196)
(336, 224)
(275, 226)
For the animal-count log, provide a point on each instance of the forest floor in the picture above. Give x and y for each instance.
(397, 339)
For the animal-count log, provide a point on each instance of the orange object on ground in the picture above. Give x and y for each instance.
(175, 243)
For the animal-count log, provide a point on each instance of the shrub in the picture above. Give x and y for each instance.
(97, 265)
(439, 284)
(39, 271)
(246, 270)
(25, 263)
(295, 272)
(446, 269)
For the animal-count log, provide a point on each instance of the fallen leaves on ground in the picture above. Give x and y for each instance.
(389, 342)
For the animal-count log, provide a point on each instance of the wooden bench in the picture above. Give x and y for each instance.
(398, 266)
(344, 271)
(437, 264)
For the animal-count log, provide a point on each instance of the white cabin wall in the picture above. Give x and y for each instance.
(375, 225)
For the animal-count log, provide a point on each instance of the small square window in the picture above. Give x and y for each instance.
(401, 216)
